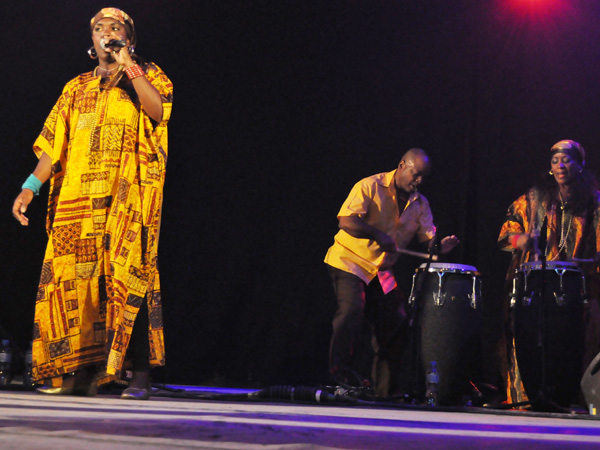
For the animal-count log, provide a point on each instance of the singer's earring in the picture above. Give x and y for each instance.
(92, 52)
(551, 173)
(131, 50)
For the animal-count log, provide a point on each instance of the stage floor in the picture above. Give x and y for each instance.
(29, 420)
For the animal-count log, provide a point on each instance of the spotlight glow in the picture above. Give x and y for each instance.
(536, 7)
(537, 15)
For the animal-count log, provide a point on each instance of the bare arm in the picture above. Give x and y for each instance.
(42, 172)
(149, 98)
(355, 226)
(148, 95)
(44, 168)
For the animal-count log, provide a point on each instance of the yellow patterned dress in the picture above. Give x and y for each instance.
(106, 189)
(582, 240)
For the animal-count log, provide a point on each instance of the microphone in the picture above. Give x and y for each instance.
(299, 393)
(119, 43)
(434, 246)
(543, 239)
(539, 240)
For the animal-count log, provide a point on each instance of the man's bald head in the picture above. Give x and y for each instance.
(415, 155)
(413, 167)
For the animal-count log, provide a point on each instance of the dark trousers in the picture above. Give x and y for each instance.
(139, 346)
(385, 314)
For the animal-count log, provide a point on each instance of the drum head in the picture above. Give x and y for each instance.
(448, 267)
(550, 265)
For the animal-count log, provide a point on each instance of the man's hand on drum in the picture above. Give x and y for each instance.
(448, 244)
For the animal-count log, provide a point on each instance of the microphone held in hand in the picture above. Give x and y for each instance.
(114, 43)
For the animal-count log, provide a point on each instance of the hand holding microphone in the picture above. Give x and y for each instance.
(115, 44)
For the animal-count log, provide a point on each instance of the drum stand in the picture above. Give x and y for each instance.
(415, 393)
(542, 402)
(541, 338)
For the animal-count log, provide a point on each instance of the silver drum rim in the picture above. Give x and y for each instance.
(448, 267)
(550, 265)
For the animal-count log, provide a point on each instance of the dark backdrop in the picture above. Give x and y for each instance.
(280, 107)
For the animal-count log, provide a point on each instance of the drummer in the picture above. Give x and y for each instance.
(565, 199)
(381, 216)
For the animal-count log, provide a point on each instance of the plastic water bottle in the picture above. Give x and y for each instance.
(5, 363)
(27, 373)
(433, 381)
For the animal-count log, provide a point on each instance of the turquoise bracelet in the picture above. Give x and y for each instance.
(33, 184)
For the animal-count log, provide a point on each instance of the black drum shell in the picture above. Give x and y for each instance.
(450, 334)
(549, 338)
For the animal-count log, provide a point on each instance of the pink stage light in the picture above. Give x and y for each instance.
(539, 16)
(537, 7)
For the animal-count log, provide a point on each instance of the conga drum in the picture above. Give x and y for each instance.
(448, 317)
(548, 330)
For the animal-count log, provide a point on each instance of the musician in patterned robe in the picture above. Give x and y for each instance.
(567, 197)
(104, 149)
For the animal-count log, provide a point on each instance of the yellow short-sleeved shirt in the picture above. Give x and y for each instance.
(373, 199)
